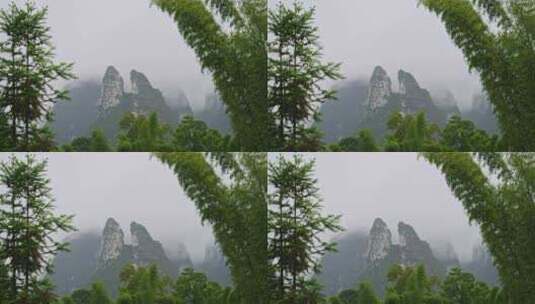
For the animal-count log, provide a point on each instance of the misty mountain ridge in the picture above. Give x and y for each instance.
(365, 104)
(101, 105)
(94, 257)
(368, 256)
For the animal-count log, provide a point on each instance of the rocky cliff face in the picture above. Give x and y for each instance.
(380, 241)
(380, 88)
(416, 251)
(112, 243)
(147, 251)
(143, 99)
(140, 84)
(101, 105)
(351, 264)
(112, 89)
(143, 251)
(413, 98)
(102, 257)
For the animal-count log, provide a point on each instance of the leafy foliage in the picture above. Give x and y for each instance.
(27, 225)
(229, 190)
(194, 136)
(497, 193)
(294, 74)
(141, 134)
(229, 38)
(414, 133)
(411, 133)
(27, 70)
(294, 225)
(498, 41)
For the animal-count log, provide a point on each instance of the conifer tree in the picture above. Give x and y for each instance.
(229, 38)
(28, 71)
(27, 225)
(295, 73)
(498, 41)
(497, 191)
(295, 223)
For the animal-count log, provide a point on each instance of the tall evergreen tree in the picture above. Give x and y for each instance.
(27, 225)
(229, 38)
(294, 75)
(230, 192)
(295, 223)
(498, 41)
(497, 191)
(28, 71)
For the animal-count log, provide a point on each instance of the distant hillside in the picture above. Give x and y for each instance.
(102, 105)
(361, 105)
(369, 256)
(102, 257)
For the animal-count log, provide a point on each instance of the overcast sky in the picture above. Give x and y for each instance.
(128, 187)
(129, 34)
(396, 34)
(396, 187)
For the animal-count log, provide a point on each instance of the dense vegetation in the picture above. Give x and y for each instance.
(498, 41)
(229, 38)
(27, 223)
(145, 285)
(414, 133)
(27, 70)
(138, 133)
(230, 192)
(294, 225)
(501, 50)
(497, 193)
(228, 189)
(502, 211)
(411, 285)
(294, 74)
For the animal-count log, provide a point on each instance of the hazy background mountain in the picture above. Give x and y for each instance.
(369, 103)
(368, 256)
(396, 35)
(130, 34)
(398, 188)
(127, 187)
(101, 257)
(102, 105)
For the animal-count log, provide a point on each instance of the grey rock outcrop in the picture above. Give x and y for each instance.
(140, 83)
(414, 98)
(380, 241)
(112, 89)
(380, 88)
(112, 243)
(146, 250)
(414, 250)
